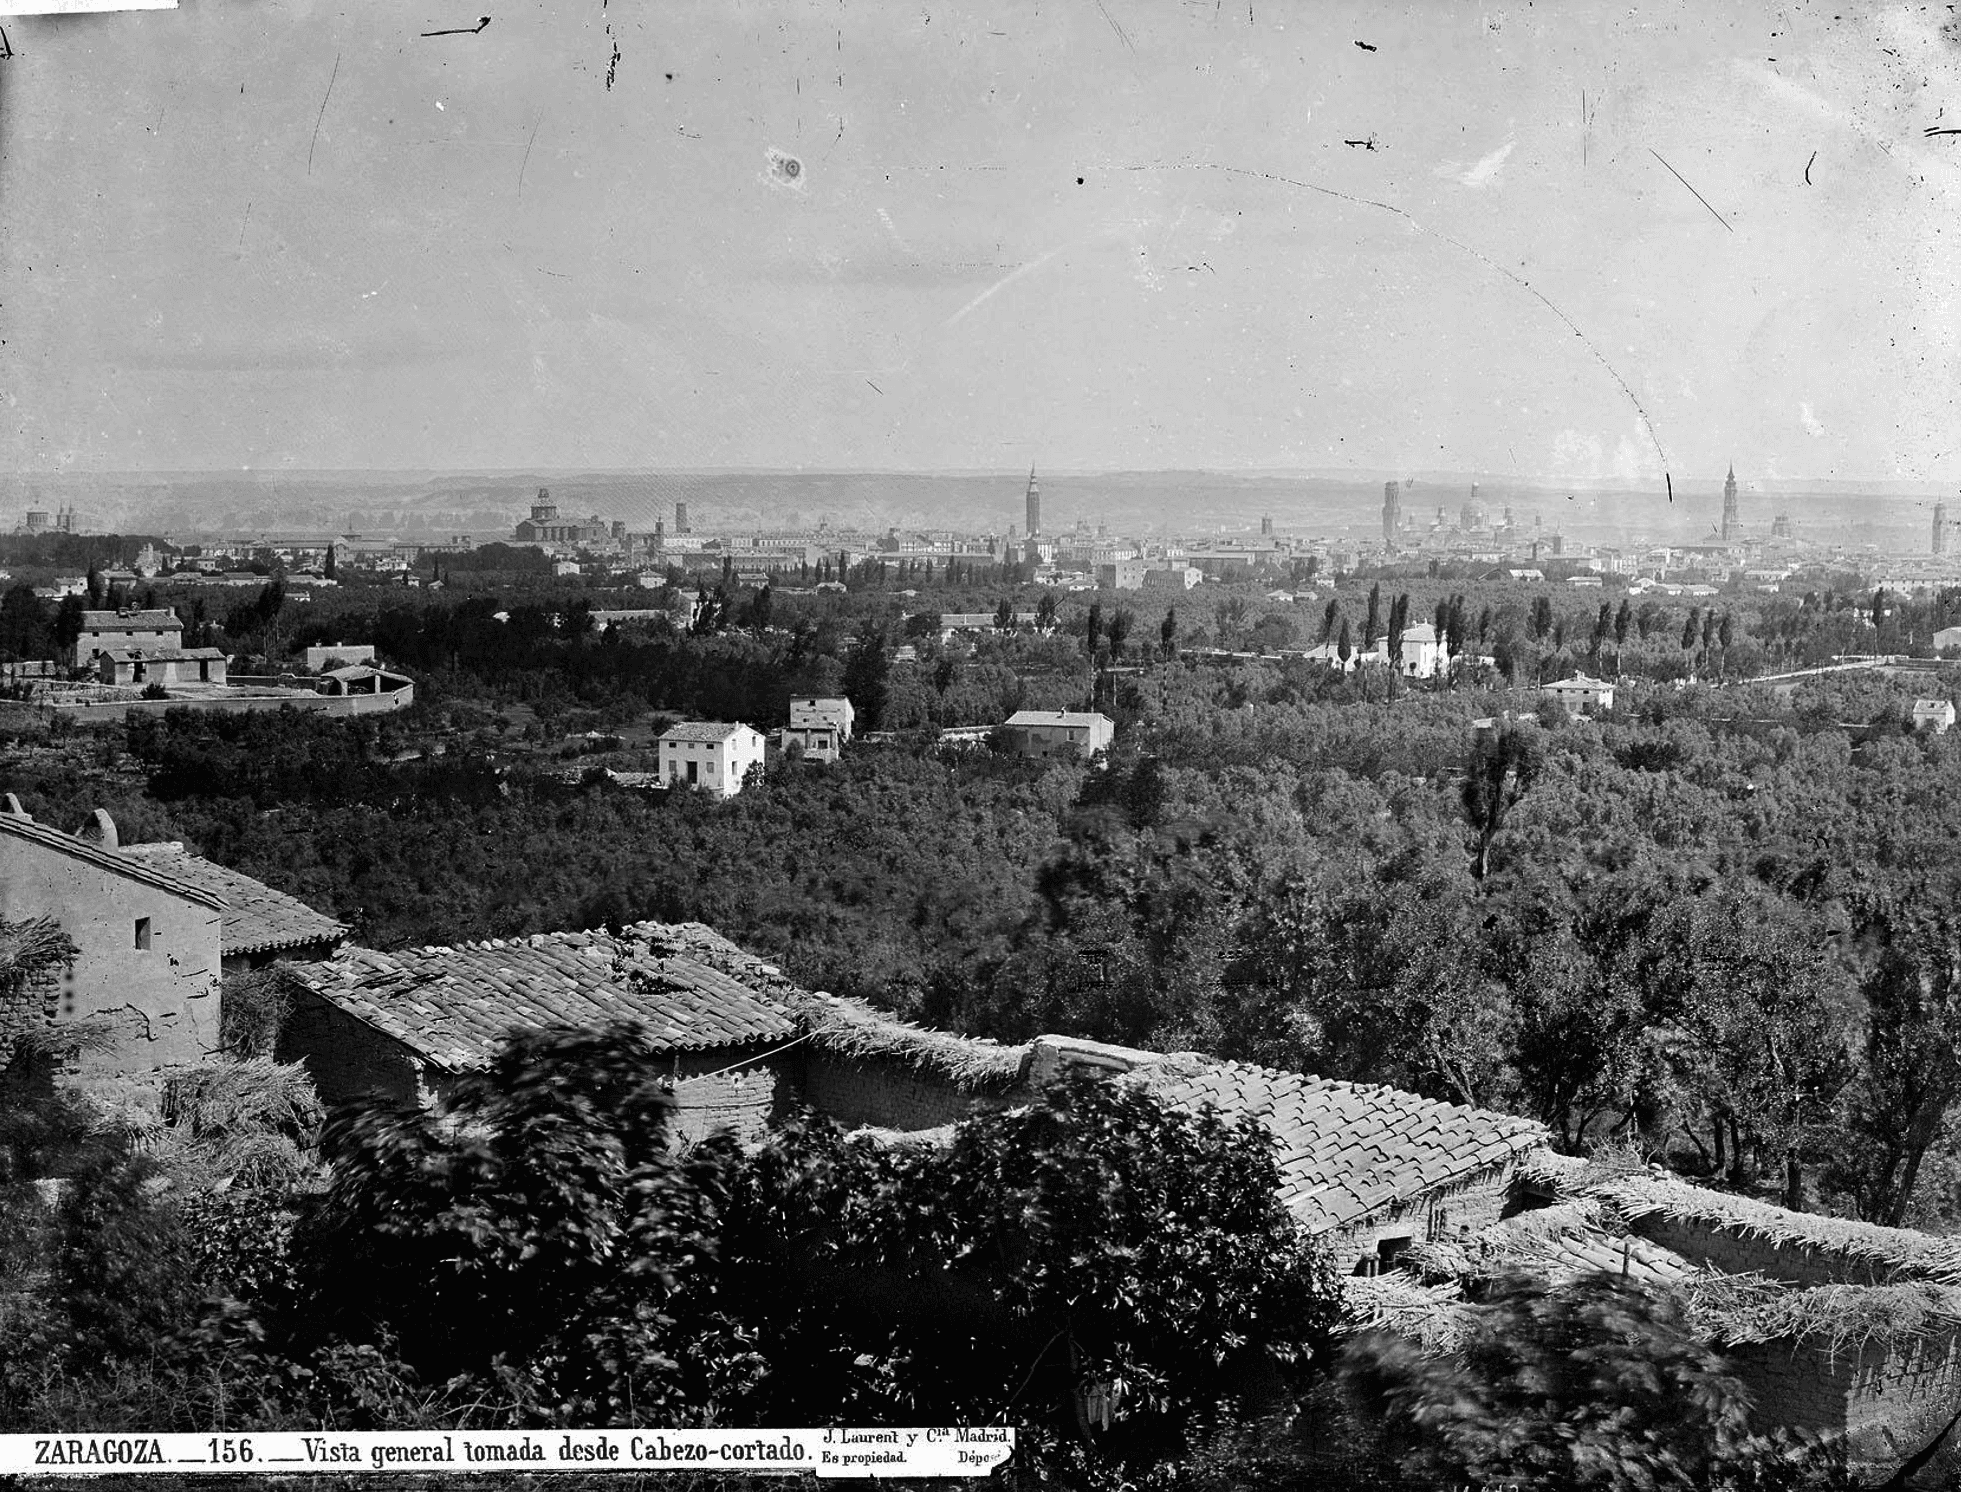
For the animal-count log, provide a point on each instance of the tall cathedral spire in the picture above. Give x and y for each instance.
(1034, 505)
(1732, 528)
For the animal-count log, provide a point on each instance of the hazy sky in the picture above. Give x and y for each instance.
(1092, 234)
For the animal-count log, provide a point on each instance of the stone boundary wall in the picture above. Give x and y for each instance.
(87, 713)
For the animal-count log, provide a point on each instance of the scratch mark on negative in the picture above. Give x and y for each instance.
(527, 154)
(322, 114)
(1483, 258)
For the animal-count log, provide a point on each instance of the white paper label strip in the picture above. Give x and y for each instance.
(824, 1452)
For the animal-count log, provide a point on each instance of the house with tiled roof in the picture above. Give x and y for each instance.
(258, 923)
(407, 1024)
(711, 756)
(145, 977)
(158, 629)
(1370, 1169)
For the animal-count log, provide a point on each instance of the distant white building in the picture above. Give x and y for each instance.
(1582, 693)
(1937, 713)
(819, 727)
(1048, 733)
(1947, 637)
(1424, 653)
(710, 755)
(339, 655)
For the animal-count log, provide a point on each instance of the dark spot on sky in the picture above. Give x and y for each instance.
(1079, 181)
(670, 77)
(793, 168)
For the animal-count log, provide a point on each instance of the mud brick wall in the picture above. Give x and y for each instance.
(1474, 1204)
(743, 1100)
(1737, 1252)
(886, 1094)
(1801, 1385)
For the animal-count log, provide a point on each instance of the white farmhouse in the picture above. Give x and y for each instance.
(1046, 733)
(1934, 714)
(1423, 652)
(709, 754)
(1582, 693)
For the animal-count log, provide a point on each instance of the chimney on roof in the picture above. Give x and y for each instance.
(100, 829)
(14, 809)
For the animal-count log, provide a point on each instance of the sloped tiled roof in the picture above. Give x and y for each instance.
(1346, 1150)
(700, 730)
(256, 918)
(1056, 717)
(114, 861)
(162, 619)
(687, 987)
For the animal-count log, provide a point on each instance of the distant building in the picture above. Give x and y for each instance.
(1121, 575)
(818, 727)
(102, 630)
(161, 666)
(710, 755)
(1424, 653)
(1947, 637)
(338, 655)
(1034, 505)
(1781, 527)
(547, 526)
(1940, 528)
(1392, 511)
(1178, 577)
(1052, 733)
(1732, 527)
(1582, 693)
(1937, 714)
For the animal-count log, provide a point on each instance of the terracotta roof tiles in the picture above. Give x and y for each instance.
(256, 918)
(687, 987)
(1345, 1150)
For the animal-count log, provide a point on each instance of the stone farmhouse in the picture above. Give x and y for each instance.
(157, 631)
(709, 755)
(137, 666)
(818, 727)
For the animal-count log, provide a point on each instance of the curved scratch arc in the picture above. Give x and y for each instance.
(1483, 258)
(1001, 284)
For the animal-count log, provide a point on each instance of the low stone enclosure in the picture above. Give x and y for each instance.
(1835, 1326)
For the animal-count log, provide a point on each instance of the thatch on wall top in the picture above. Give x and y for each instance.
(1432, 1316)
(852, 1029)
(1736, 1309)
(1898, 1253)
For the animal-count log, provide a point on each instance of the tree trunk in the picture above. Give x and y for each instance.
(1793, 1181)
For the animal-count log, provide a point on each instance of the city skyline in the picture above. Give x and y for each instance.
(1591, 247)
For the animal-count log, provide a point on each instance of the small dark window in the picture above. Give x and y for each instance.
(142, 932)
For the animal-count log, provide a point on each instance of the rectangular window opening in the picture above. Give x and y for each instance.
(142, 932)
